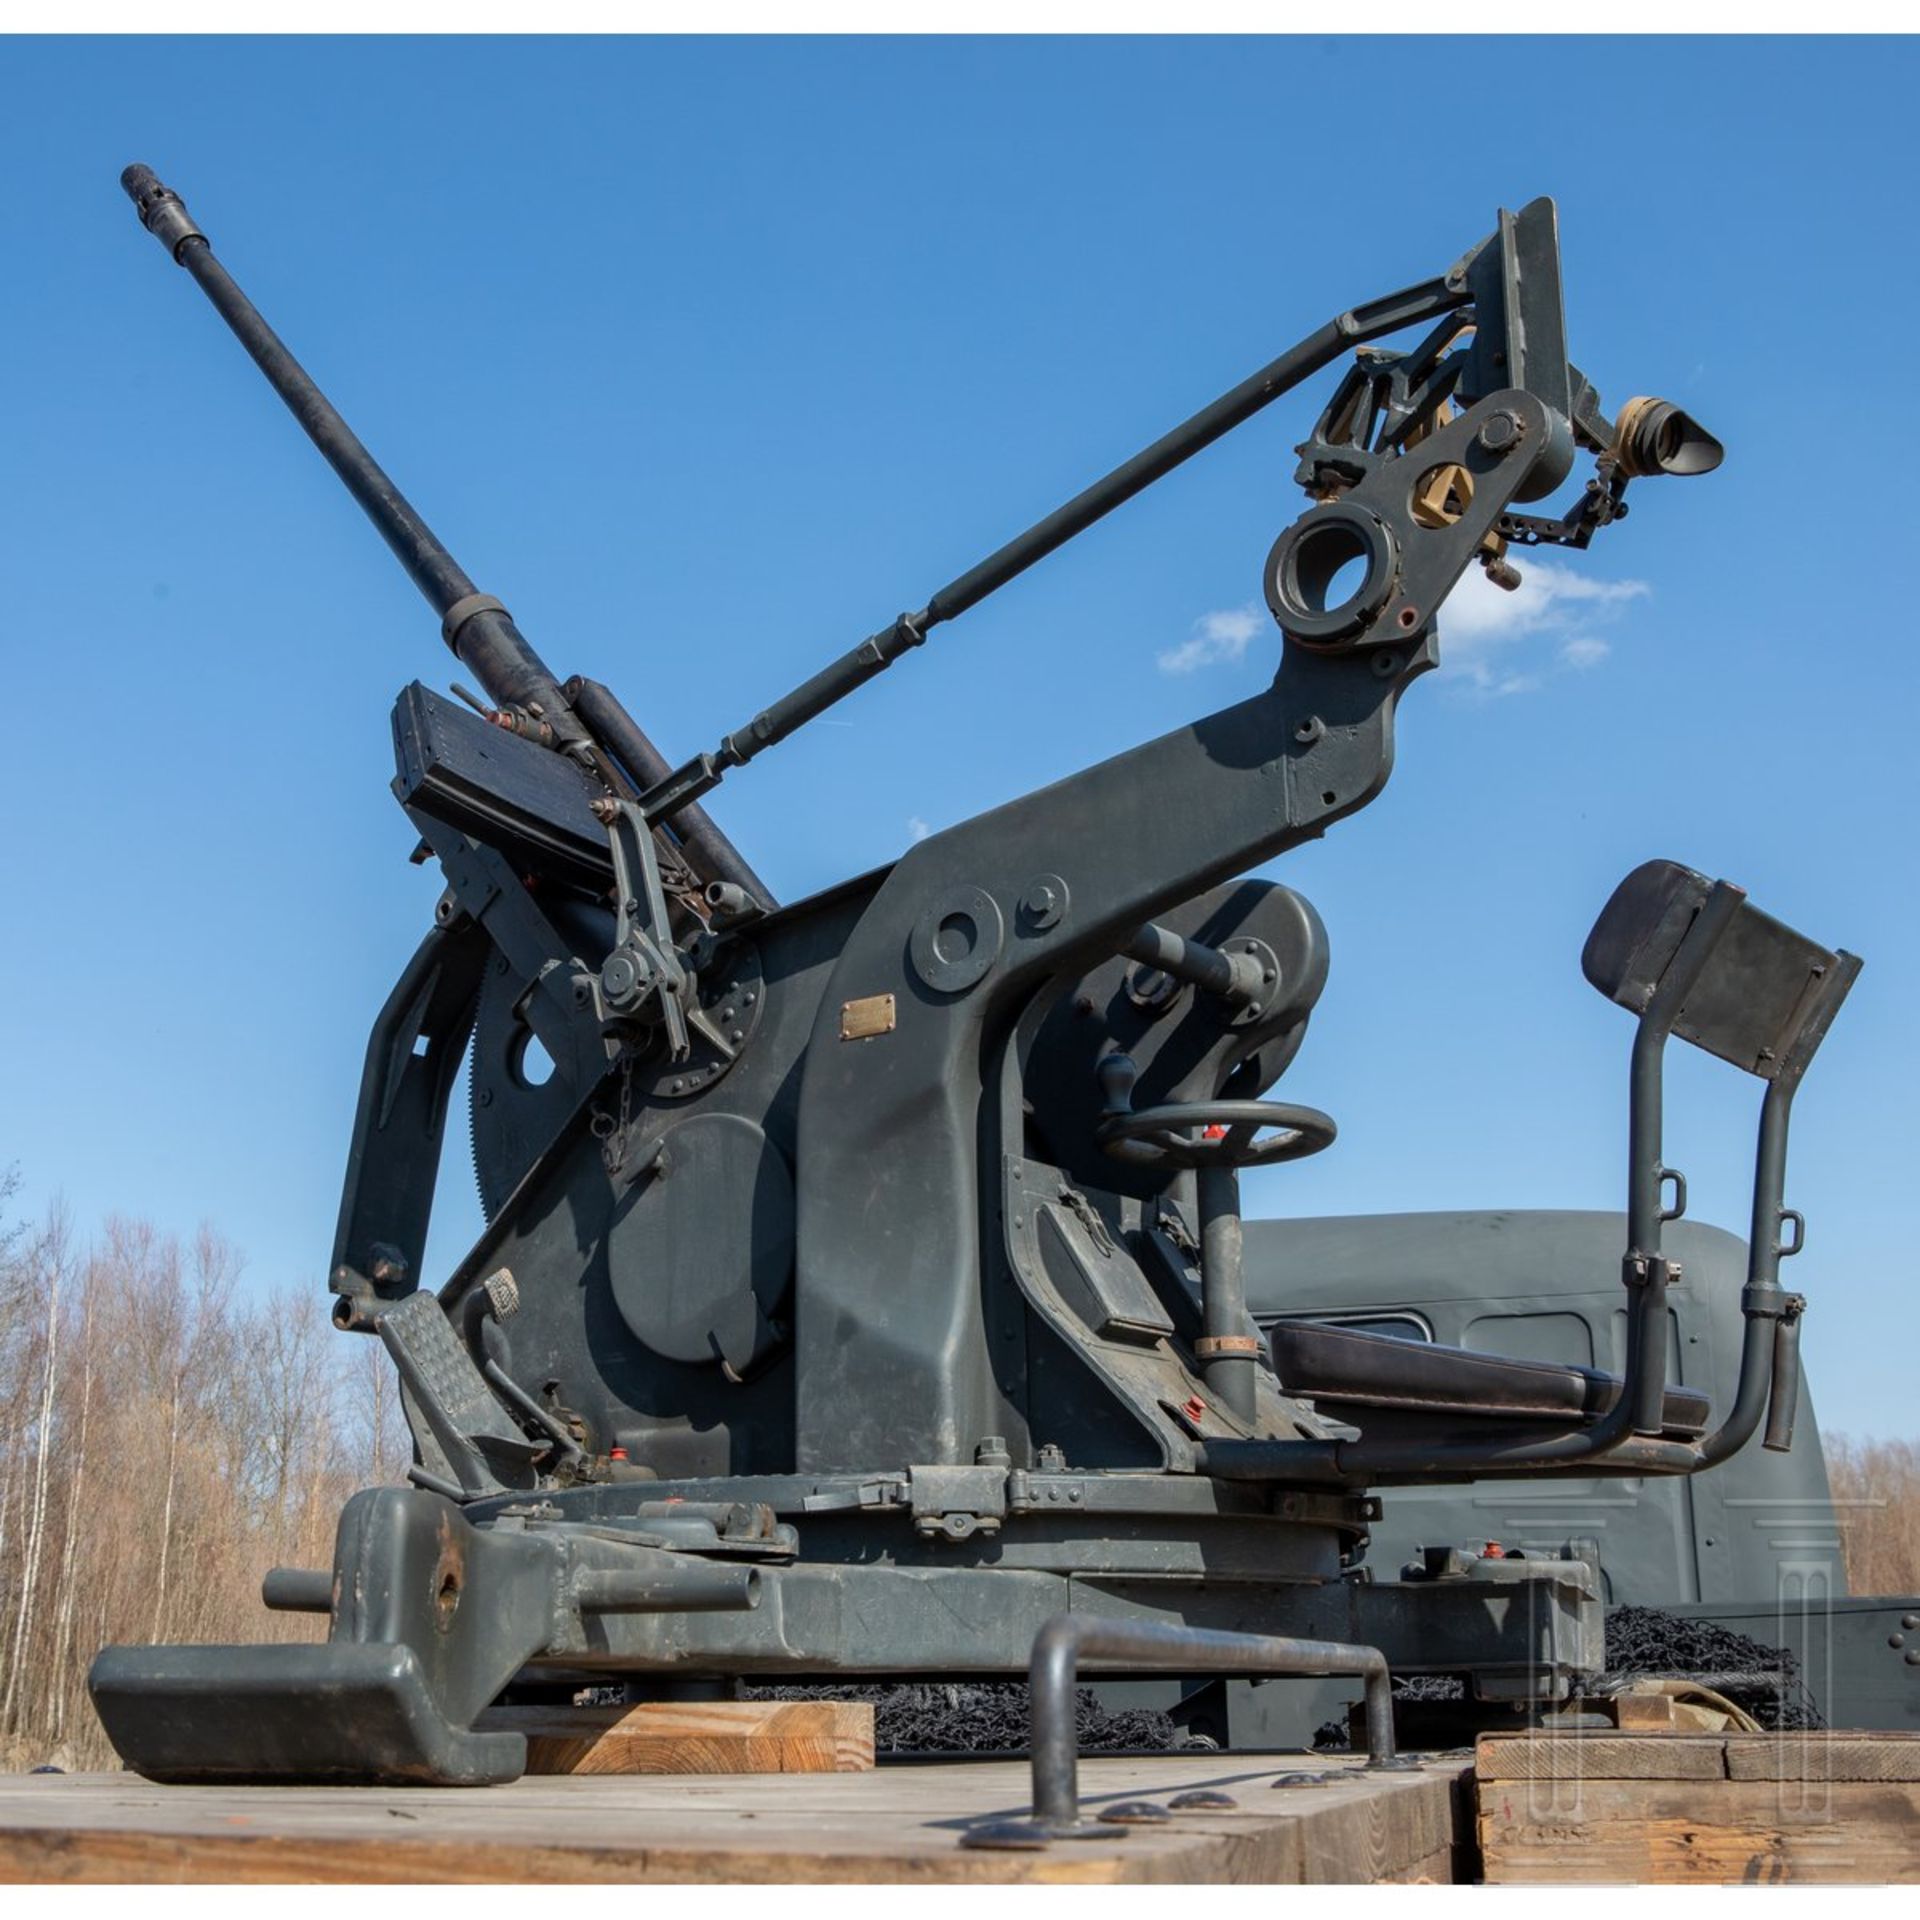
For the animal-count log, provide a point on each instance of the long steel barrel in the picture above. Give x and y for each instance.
(479, 630)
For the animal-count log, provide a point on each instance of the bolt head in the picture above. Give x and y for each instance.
(620, 977)
(1499, 432)
(1044, 903)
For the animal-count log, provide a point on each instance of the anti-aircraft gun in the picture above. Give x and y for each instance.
(861, 1291)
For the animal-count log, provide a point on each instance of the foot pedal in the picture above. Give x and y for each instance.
(476, 1436)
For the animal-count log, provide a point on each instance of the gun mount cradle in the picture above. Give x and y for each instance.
(861, 1289)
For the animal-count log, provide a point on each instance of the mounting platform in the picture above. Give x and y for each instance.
(898, 1824)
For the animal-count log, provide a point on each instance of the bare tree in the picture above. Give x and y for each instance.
(51, 1260)
(165, 1438)
(1876, 1490)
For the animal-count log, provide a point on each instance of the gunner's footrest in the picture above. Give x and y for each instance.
(480, 1445)
(1343, 1366)
(340, 1714)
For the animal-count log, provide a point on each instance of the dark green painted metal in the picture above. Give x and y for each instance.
(846, 1304)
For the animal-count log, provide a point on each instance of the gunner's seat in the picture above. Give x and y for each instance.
(1371, 1379)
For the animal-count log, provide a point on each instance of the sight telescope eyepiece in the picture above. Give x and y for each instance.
(1654, 436)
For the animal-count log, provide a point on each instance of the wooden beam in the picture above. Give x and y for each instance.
(694, 1736)
(1690, 1832)
(1601, 1756)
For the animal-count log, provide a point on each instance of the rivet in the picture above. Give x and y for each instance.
(1135, 1813)
(1202, 1800)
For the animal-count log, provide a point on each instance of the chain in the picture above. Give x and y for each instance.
(611, 1132)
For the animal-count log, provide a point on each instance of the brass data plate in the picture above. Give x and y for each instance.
(862, 1019)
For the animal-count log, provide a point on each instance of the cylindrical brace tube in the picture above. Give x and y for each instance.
(1754, 1381)
(1190, 960)
(1229, 1354)
(1152, 463)
(1769, 1186)
(1159, 1647)
(831, 684)
(1354, 1463)
(438, 1483)
(1644, 1394)
(1409, 307)
(488, 642)
(1645, 1130)
(1783, 1404)
(1647, 1316)
(1646, 1172)
(1762, 1303)
(677, 1586)
(709, 851)
(516, 1396)
(298, 1590)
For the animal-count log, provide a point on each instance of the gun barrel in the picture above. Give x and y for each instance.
(478, 629)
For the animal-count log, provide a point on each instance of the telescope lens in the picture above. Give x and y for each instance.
(1654, 436)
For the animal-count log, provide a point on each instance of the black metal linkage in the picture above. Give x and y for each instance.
(1769, 1377)
(700, 775)
(709, 849)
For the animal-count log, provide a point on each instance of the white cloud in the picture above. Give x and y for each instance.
(1482, 627)
(917, 829)
(1218, 638)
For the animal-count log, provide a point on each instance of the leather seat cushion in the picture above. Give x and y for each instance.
(1375, 1370)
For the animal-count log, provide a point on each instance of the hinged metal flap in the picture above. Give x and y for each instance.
(529, 802)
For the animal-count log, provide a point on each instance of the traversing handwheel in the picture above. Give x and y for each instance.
(1216, 1133)
(1203, 1133)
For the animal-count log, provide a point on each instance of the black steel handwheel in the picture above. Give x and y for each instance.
(1216, 1133)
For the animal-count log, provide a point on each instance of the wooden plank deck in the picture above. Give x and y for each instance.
(899, 1824)
(1688, 1809)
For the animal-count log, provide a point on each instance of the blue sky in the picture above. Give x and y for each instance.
(710, 357)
